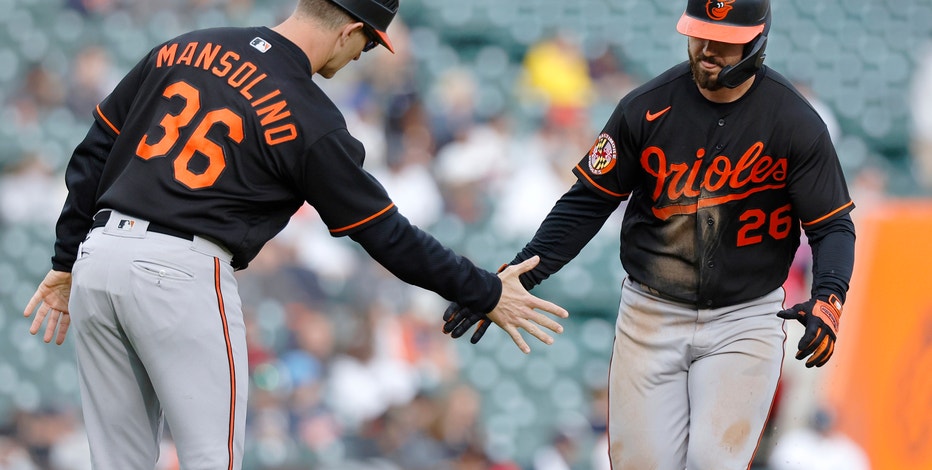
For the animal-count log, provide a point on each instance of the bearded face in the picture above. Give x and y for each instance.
(708, 58)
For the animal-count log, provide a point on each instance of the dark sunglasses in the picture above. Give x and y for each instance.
(372, 38)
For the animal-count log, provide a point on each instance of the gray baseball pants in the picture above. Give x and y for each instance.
(691, 388)
(159, 331)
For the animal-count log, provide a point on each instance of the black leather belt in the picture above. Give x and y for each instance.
(657, 293)
(100, 220)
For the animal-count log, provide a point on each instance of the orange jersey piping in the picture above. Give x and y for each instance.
(826, 216)
(107, 121)
(606, 191)
(357, 224)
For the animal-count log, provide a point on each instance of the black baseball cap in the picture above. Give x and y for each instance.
(729, 21)
(376, 14)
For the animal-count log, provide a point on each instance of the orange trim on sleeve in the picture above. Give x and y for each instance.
(357, 224)
(826, 216)
(611, 193)
(107, 121)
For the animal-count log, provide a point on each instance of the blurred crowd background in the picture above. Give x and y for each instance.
(473, 127)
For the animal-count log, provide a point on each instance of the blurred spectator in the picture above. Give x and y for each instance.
(398, 436)
(88, 7)
(277, 274)
(366, 121)
(54, 438)
(819, 446)
(539, 172)
(31, 192)
(408, 179)
(610, 76)
(457, 421)
(472, 154)
(475, 458)
(384, 105)
(234, 9)
(13, 456)
(92, 77)
(41, 91)
(71, 451)
(365, 381)
(598, 423)
(869, 185)
(557, 72)
(307, 241)
(418, 342)
(920, 100)
(562, 452)
(470, 166)
(451, 106)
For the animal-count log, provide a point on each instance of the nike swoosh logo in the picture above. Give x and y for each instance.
(653, 116)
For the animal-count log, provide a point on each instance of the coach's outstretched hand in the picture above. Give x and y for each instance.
(51, 299)
(516, 308)
(820, 317)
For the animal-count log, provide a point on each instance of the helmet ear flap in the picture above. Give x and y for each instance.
(733, 75)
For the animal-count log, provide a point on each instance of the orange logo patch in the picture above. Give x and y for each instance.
(602, 155)
(718, 10)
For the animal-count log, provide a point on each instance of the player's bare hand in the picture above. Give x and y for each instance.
(518, 309)
(51, 302)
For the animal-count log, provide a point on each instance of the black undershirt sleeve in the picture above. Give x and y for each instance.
(575, 218)
(417, 258)
(82, 177)
(832, 257)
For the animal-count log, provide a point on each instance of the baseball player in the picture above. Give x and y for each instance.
(198, 157)
(722, 163)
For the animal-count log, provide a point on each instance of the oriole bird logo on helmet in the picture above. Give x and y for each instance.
(718, 10)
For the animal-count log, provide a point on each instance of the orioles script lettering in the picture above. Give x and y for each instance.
(680, 185)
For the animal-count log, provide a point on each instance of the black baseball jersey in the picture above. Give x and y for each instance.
(222, 133)
(716, 192)
(218, 116)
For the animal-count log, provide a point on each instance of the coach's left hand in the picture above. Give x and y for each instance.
(51, 300)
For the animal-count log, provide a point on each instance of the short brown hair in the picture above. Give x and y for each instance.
(329, 14)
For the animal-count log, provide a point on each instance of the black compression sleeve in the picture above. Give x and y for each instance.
(417, 258)
(570, 225)
(832, 257)
(82, 177)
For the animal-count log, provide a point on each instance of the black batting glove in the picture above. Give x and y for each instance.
(821, 317)
(458, 320)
